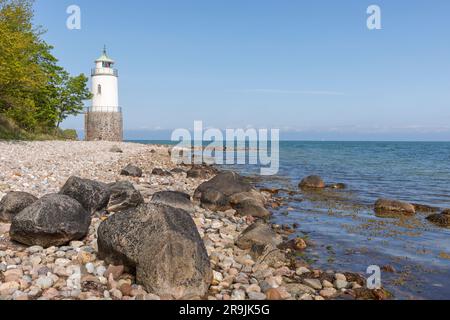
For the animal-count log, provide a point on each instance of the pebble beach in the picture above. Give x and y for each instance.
(75, 271)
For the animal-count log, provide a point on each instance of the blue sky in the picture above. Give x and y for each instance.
(309, 68)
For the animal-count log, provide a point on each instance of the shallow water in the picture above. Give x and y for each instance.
(346, 234)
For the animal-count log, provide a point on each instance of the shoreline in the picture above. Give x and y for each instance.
(43, 167)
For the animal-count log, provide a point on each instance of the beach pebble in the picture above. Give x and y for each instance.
(302, 270)
(340, 284)
(313, 283)
(256, 296)
(238, 295)
(328, 292)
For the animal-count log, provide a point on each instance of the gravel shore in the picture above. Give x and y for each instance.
(75, 272)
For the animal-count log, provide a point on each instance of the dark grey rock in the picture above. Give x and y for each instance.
(251, 207)
(131, 171)
(53, 220)
(312, 182)
(201, 172)
(162, 245)
(258, 234)
(228, 183)
(92, 195)
(441, 220)
(425, 208)
(123, 196)
(174, 199)
(214, 200)
(13, 203)
(393, 208)
(161, 172)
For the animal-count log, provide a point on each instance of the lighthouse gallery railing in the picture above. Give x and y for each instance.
(103, 109)
(104, 71)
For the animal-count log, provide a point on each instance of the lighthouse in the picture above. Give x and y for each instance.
(103, 120)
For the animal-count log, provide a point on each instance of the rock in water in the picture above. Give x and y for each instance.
(312, 182)
(174, 199)
(393, 208)
(92, 195)
(13, 203)
(424, 208)
(228, 183)
(123, 196)
(258, 234)
(131, 171)
(53, 220)
(337, 186)
(162, 244)
(441, 220)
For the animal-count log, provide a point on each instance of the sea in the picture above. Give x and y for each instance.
(343, 231)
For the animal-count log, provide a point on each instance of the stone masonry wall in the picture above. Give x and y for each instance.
(103, 126)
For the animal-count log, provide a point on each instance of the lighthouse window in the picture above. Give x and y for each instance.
(99, 89)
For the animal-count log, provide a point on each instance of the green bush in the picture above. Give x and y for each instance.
(69, 134)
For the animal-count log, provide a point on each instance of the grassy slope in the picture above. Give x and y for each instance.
(10, 131)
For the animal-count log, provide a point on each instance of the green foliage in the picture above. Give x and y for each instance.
(9, 130)
(69, 134)
(35, 92)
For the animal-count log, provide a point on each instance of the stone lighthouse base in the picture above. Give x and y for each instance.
(103, 126)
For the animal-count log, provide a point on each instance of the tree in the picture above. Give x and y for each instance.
(72, 92)
(34, 91)
(20, 73)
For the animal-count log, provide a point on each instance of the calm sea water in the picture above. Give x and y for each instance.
(345, 233)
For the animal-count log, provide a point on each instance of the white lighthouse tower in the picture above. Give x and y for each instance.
(103, 120)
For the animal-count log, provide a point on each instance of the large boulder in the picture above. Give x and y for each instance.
(312, 182)
(131, 171)
(441, 220)
(214, 200)
(229, 183)
(53, 220)
(228, 189)
(259, 234)
(93, 195)
(162, 244)
(13, 203)
(123, 196)
(393, 208)
(251, 207)
(253, 195)
(174, 199)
